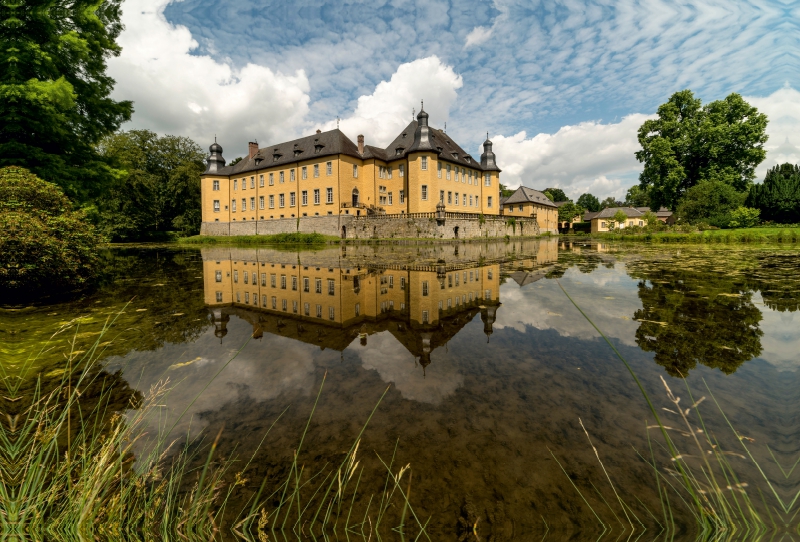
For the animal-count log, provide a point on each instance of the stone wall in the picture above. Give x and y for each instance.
(395, 227)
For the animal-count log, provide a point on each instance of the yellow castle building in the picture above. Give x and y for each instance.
(327, 174)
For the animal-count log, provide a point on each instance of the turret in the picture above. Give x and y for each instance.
(220, 322)
(215, 161)
(488, 316)
(488, 161)
(423, 139)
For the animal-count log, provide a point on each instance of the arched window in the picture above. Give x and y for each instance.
(355, 197)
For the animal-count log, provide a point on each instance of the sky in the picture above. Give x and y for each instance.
(560, 87)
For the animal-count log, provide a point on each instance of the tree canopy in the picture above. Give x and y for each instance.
(778, 197)
(558, 194)
(636, 196)
(710, 201)
(689, 143)
(610, 201)
(589, 202)
(160, 188)
(569, 211)
(54, 91)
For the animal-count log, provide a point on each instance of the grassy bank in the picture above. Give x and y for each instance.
(277, 239)
(743, 235)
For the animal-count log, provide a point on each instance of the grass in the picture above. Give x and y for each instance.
(277, 239)
(700, 475)
(89, 484)
(742, 235)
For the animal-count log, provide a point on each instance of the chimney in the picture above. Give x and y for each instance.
(252, 149)
(360, 144)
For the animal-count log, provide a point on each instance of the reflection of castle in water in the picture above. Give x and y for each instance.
(423, 306)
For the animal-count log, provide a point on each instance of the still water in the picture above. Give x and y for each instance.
(494, 376)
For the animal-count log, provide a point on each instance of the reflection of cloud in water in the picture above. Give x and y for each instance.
(608, 296)
(263, 370)
(384, 354)
(780, 342)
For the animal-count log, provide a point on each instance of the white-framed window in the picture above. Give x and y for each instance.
(294, 283)
(261, 181)
(464, 199)
(274, 302)
(489, 201)
(236, 276)
(253, 181)
(281, 200)
(253, 204)
(329, 168)
(424, 163)
(380, 172)
(304, 172)
(389, 171)
(306, 309)
(283, 282)
(318, 286)
(390, 198)
(402, 169)
(424, 317)
(306, 282)
(402, 196)
(448, 172)
(294, 307)
(244, 184)
(331, 287)
(439, 169)
(271, 179)
(291, 175)
(520, 207)
(316, 170)
(464, 175)
(329, 192)
(602, 224)
(355, 171)
(218, 276)
(441, 196)
(316, 196)
(487, 179)
(424, 192)
(219, 297)
(215, 185)
(424, 288)
(319, 311)
(281, 177)
(292, 201)
(358, 309)
(470, 177)
(260, 202)
(470, 200)
(263, 279)
(304, 197)
(233, 205)
(272, 202)
(235, 184)
(272, 279)
(449, 198)
(331, 313)
(216, 205)
(456, 198)
(244, 204)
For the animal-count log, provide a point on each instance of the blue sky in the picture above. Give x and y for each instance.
(560, 86)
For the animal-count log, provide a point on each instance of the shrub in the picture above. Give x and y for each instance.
(45, 246)
(710, 202)
(743, 217)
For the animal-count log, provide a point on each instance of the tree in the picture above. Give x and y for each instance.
(548, 195)
(651, 218)
(710, 201)
(45, 246)
(235, 161)
(160, 188)
(589, 202)
(743, 217)
(636, 196)
(504, 190)
(54, 91)
(568, 211)
(558, 194)
(689, 143)
(778, 197)
(619, 218)
(610, 201)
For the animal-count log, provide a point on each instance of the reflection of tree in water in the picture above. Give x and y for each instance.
(691, 317)
(777, 277)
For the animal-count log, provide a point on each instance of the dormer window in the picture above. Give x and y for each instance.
(404, 135)
(455, 155)
(399, 151)
(276, 157)
(298, 152)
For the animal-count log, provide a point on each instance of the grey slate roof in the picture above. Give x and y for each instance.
(529, 195)
(609, 212)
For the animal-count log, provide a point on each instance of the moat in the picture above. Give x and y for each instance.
(493, 372)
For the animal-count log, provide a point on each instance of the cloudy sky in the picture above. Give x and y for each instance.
(561, 87)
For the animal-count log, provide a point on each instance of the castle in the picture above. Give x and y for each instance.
(327, 174)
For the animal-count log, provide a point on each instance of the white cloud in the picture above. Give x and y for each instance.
(589, 156)
(783, 109)
(199, 96)
(381, 115)
(478, 35)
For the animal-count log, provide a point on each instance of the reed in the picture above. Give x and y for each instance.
(97, 483)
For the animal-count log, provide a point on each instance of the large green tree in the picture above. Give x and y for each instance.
(160, 189)
(778, 197)
(636, 196)
(689, 143)
(589, 202)
(558, 194)
(54, 90)
(710, 201)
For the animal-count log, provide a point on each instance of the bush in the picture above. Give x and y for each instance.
(710, 202)
(45, 246)
(743, 217)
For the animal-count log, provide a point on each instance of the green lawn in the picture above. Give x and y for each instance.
(742, 235)
(277, 239)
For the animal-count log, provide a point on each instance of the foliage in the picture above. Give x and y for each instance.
(689, 144)
(54, 91)
(504, 191)
(637, 196)
(44, 244)
(548, 195)
(688, 234)
(743, 217)
(651, 218)
(710, 201)
(589, 202)
(160, 190)
(235, 161)
(778, 197)
(558, 194)
(619, 218)
(568, 211)
(611, 201)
